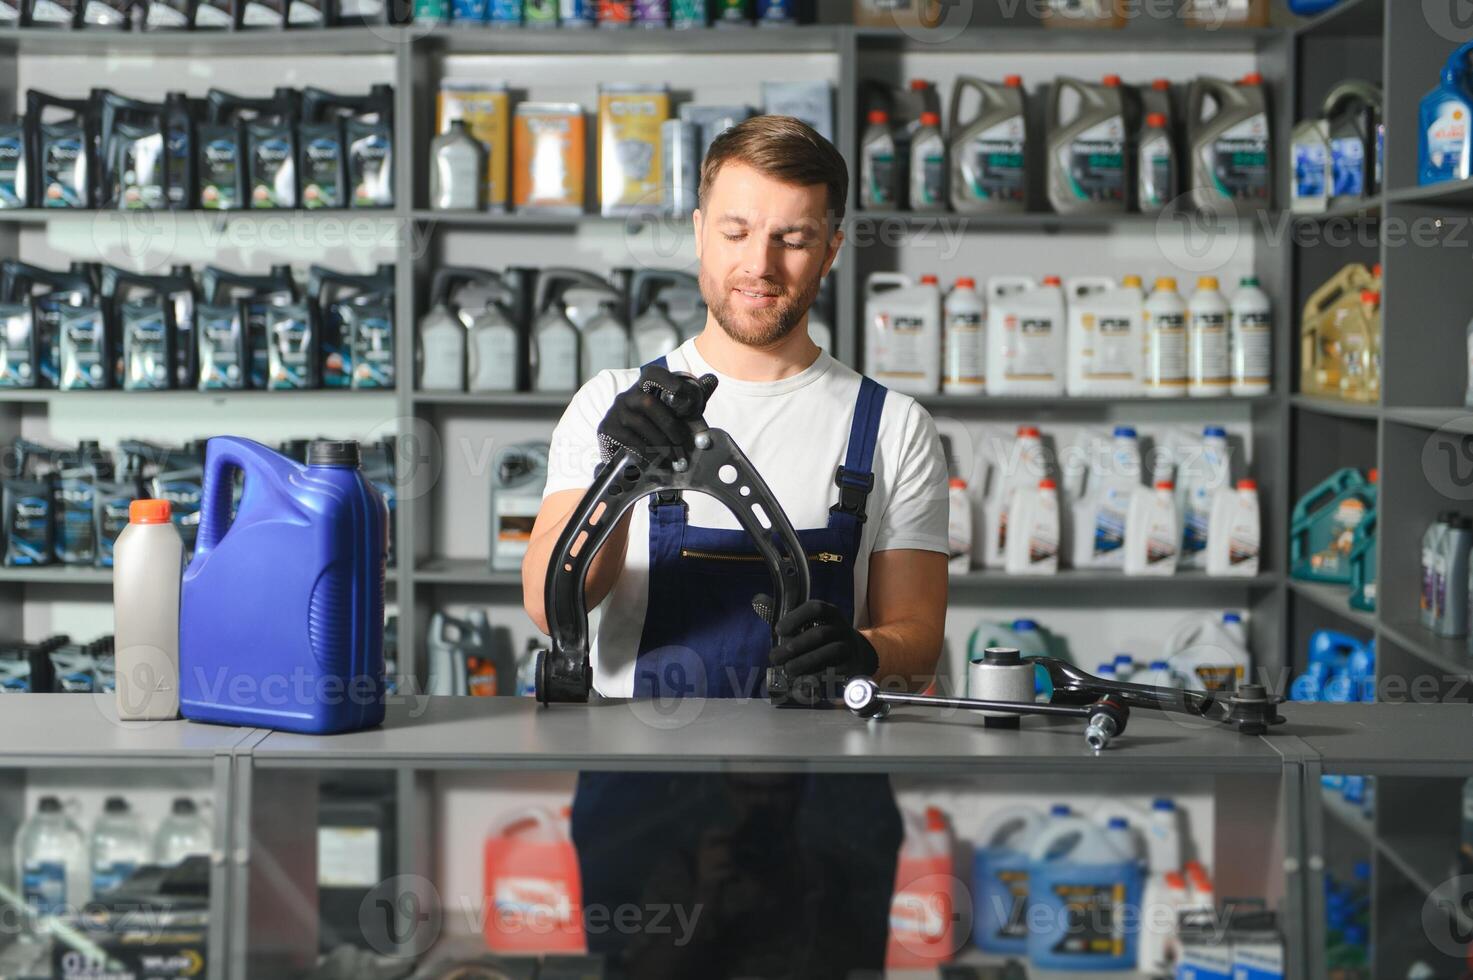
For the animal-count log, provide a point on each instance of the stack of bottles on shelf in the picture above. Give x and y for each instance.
(1338, 157)
(1193, 515)
(614, 14)
(1085, 14)
(292, 149)
(68, 506)
(1332, 535)
(1443, 604)
(1348, 922)
(56, 665)
(1087, 336)
(532, 159)
(201, 15)
(1444, 141)
(1108, 148)
(1341, 670)
(1340, 337)
(96, 327)
(60, 868)
(469, 656)
(1205, 652)
(552, 329)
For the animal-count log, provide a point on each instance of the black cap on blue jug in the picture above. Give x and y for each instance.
(326, 452)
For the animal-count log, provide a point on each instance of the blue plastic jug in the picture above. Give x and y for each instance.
(1000, 879)
(281, 619)
(1444, 144)
(1084, 899)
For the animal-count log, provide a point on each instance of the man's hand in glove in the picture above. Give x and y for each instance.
(818, 635)
(642, 421)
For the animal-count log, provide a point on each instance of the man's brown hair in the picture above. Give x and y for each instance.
(785, 149)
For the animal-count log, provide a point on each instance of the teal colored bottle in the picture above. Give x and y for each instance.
(281, 618)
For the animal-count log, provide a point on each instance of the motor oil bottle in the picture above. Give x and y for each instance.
(1155, 167)
(1166, 343)
(1252, 339)
(111, 497)
(457, 166)
(222, 159)
(19, 354)
(878, 167)
(1204, 472)
(441, 355)
(519, 477)
(1321, 359)
(988, 152)
(1153, 531)
(270, 155)
(688, 309)
(142, 313)
(1360, 341)
(179, 478)
(1444, 143)
(1089, 166)
(1353, 113)
(181, 183)
(219, 287)
(902, 336)
(458, 661)
(1076, 874)
(1209, 371)
(497, 356)
(85, 349)
(1106, 335)
(323, 141)
(1033, 541)
(556, 341)
(1431, 548)
(1313, 179)
(15, 190)
(293, 362)
(655, 333)
(29, 498)
(1022, 465)
(64, 175)
(78, 474)
(964, 340)
(1027, 344)
(50, 293)
(335, 299)
(1323, 523)
(321, 615)
(1109, 14)
(928, 166)
(1156, 99)
(1450, 574)
(133, 139)
(1102, 510)
(605, 344)
(224, 348)
(1231, 147)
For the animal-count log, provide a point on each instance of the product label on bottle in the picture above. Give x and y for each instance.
(139, 169)
(900, 347)
(557, 358)
(82, 366)
(1253, 349)
(1111, 353)
(1348, 159)
(1243, 545)
(493, 359)
(1447, 142)
(348, 857)
(16, 370)
(291, 348)
(879, 181)
(75, 536)
(992, 163)
(219, 178)
(145, 353)
(112, 518)
(928, 179)
(1008, 900)
(1109, 536)
(1160, 544)
(964, 350)
(105, 879)
(1240, 161)
(63, 173)
(219, 361)
(504, 12)
(44, 885)
(1156, 175)
(273, 181)
(1029, 350)
(521, 902)
(1310, 160)
(1209, 354)
(370, 168)
(12, 168)
(373, 349)
(322, 173)
(1439, 585)
(1088, 921)
(1097, 162)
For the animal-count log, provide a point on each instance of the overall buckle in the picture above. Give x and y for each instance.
(854, 490)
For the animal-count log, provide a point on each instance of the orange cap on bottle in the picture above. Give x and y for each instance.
(149, 512)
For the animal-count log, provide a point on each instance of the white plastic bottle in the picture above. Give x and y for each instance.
(902, 335)
(1033, 539)
(1106, 324)
(1023, 466)
(878, 173)
(1158, 674)
(1205, 470)
(147, 562)
(51, 861)
(119, 846)
(1118, 832)
(1208, 372)
(928, 165)
(1234, 534)
(1165, 367)
(1026, 336)
(1252, 339)
(1153, 531)
(1164, 835)
(1125, 667)
(1102, 512)
(964, 340)
(959, 526)
(184, 832)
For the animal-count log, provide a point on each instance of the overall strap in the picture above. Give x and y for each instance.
(855, 477)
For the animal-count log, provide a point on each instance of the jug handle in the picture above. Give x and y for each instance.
(224, 455)
(958, 88)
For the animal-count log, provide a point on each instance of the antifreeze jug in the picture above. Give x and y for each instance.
(1080, 886)
(282, 609)
(532, 885)
(1000, 880)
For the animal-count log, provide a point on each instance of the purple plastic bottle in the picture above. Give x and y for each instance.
(281, 618)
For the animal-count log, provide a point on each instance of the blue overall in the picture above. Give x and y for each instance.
(815, 854)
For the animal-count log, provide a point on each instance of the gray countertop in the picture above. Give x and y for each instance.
(84, 729)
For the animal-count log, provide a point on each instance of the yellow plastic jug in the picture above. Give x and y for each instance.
(1360, 349)
(1321, 356)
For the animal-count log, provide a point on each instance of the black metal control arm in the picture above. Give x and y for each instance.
(563, 671)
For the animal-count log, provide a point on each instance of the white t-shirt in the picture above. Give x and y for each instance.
(795, 432)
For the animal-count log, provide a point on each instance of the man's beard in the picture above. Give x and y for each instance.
(758, 328)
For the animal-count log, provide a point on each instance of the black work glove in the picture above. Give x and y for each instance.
(818, 636)
(650, 418)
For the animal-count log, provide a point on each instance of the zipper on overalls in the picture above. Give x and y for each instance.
(825, 557)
